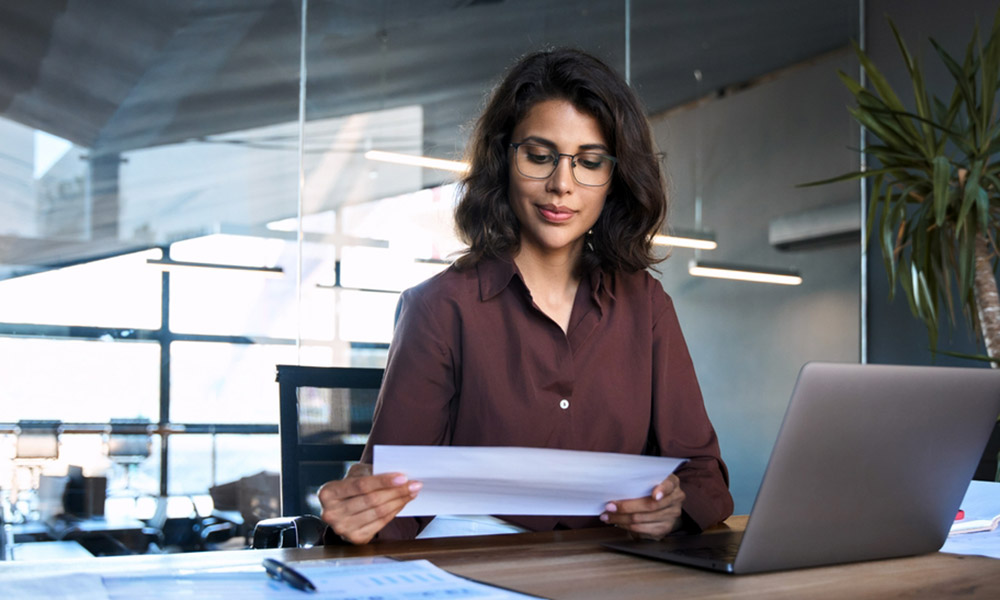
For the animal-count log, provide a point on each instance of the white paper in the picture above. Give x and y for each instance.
(75, 586)
(402, 580)
(345, 579)
(981, 506)
(982, 501)
(484, 480)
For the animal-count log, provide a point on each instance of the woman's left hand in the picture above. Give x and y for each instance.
(651, 517)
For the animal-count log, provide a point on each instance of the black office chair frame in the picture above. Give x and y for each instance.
(302, 462)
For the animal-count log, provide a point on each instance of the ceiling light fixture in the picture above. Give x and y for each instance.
(719, 270)
(417, 161)
(699, 240)
(168, 264)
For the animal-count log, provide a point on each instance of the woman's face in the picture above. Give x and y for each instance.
(555, 213)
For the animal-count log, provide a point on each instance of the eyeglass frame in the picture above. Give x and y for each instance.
(557, 156)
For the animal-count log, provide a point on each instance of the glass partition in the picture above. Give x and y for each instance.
(391, 81)
(176, 217)
(180, 210)
(146, 150)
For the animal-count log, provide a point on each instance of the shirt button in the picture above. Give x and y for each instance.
(564, 404)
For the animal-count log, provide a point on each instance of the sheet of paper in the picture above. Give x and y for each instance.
(982, 501)
(75, 586)
(484, 480)
(347, 579)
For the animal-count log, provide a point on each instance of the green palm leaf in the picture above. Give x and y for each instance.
(936, 177)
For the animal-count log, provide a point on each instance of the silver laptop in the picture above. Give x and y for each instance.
(871, 462)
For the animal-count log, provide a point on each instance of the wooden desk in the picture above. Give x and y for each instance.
(572, 564)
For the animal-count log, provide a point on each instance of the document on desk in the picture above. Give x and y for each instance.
(345, 579)
(486, 480)
(981, 503)
(75, 586)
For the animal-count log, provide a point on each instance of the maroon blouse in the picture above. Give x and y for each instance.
(474, 362)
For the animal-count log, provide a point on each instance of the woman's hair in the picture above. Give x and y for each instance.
(636, 205)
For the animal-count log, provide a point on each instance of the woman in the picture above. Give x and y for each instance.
(548, 332)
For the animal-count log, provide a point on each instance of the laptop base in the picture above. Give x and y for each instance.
(715, 552)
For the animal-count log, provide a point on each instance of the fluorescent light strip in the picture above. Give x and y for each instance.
(417, 161)
(741, 273)
(171, 265)
(683, 241)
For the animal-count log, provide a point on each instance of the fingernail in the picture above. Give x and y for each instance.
(604, 517)
(399, 480)
(610, 507)
(658, 495)
(415, 486)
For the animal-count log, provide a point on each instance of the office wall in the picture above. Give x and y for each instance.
(894, 335)
(748, 340)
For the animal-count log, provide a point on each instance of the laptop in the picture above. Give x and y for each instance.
(871, 462)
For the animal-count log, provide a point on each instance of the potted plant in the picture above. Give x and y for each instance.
(935, 185)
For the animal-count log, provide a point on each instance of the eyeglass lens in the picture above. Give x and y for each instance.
(539, 162)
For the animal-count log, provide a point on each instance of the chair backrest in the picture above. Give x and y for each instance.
(38, 440)
(129, 441)
(325, 416)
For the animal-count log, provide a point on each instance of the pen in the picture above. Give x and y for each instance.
(282, 572)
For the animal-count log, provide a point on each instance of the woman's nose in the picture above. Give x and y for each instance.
(561, 179)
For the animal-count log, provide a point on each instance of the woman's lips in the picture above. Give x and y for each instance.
(555, 214)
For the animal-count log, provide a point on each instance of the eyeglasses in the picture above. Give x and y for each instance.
(539, 162)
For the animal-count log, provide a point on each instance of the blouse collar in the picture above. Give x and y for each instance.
(496, 273)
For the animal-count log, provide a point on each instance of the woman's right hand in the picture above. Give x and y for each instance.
(361, 504)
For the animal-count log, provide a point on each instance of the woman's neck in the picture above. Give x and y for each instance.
(552, 280)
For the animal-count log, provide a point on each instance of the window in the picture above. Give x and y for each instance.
(180, 141)
(76, 380)
(120, 292)
(213, 382)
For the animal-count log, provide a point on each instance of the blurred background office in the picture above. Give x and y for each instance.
(192, 192)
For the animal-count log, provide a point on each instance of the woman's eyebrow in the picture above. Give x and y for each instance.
(534, 139)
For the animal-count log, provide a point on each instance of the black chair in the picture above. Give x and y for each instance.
(325, 416)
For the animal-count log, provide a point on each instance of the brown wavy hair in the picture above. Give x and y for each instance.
(636, 205)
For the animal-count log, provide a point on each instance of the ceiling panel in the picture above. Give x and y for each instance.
(118, 76)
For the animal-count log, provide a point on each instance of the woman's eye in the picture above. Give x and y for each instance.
(590, 161)
(539, 158)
